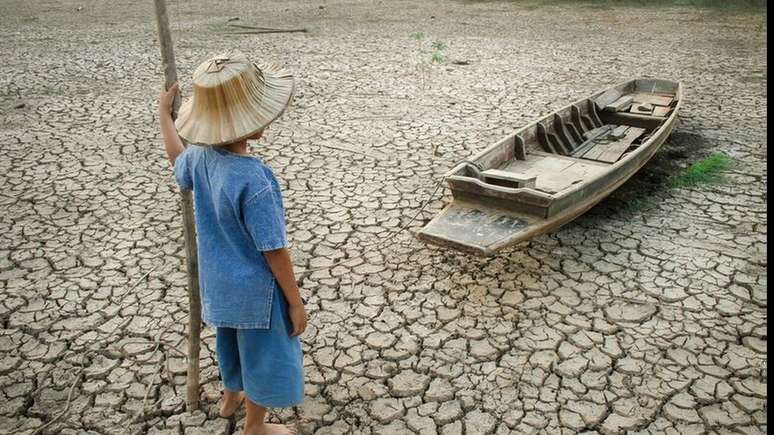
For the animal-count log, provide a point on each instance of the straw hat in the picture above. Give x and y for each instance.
(233, 99)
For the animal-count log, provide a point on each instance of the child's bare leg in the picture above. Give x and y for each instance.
(255, 424)
(230, 402)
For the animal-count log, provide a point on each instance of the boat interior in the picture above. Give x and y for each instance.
(570, 146)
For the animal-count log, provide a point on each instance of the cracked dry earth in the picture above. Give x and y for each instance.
(627, 320)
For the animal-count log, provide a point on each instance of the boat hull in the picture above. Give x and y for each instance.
(483, 225)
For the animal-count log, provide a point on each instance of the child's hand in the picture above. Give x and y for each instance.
(298, 318)
(166, 98)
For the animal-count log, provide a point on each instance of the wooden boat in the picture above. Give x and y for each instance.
(548, 173)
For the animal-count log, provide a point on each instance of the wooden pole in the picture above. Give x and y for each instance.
(189, 225)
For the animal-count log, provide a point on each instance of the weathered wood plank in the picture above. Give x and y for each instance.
(573, 159)
(563, 134)
(542, 135)
(519, 149)
(592, 110)
(646, 98)
(472, 226)
(552, 172)
(661, 111)
(596, 132)
(607, 97)
(647, 122)
(508, 178)
(583, 121)
(556, 183)
(620, 104)
(594, 136)
(613, 150)
(595, 151)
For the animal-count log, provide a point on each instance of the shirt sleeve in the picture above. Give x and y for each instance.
(264, 217)
(182, 169)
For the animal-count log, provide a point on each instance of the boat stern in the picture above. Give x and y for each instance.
(475, 229)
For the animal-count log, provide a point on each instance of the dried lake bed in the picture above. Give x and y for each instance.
(629, 320)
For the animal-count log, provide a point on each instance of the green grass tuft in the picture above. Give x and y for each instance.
(705, 171)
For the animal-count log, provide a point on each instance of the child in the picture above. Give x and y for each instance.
(248, 290)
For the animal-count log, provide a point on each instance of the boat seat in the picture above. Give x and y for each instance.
(508, 179)
(620, 105)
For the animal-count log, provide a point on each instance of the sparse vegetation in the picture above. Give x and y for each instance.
(705, 171)
(665, 171)
(427, 55)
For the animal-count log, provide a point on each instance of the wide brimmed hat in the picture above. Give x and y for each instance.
(233, 99)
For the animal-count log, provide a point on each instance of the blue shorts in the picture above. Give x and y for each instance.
(266, 363)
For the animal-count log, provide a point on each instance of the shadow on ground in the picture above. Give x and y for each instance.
(644, 189)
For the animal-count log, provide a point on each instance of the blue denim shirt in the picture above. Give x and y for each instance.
(239, 214)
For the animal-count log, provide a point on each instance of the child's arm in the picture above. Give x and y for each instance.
(282, 268)
(172, 142)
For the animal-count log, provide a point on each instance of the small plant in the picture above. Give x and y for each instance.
(428, 55)
(418, 36)
(438, 55)
(705, 171)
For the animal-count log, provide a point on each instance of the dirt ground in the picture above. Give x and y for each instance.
(630, 319)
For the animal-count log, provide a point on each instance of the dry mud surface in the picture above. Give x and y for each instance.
(627, 320)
